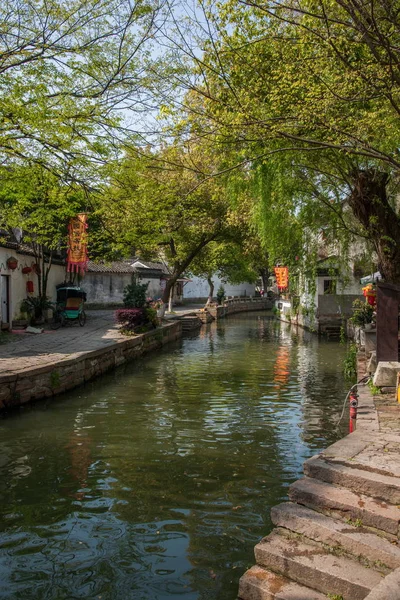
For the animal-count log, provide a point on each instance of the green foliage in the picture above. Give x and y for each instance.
(350, 362)
(55, 379)
(65, 68)
(151, 316)
(35, 307)
(221, 294)
(135, 294)
(375, 391)
(362, 313)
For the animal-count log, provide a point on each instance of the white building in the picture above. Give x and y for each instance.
(197, 289)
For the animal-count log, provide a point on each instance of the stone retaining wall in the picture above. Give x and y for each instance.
(58, 377)
(236, 305)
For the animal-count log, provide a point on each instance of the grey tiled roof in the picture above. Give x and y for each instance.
(111, 267)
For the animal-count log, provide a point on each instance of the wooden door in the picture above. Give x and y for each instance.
(5, 301)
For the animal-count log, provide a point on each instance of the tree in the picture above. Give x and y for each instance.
(68, 71)
(38, 205)
(318, 82)
(227, 260)
(156, 205)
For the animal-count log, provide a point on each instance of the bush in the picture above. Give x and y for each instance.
(135, 295)
(151, 316)
(350, 362)
(130, 318)
(221, 294)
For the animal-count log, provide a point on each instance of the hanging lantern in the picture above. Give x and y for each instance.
(26, 270)
(29, 287)
(12, 263)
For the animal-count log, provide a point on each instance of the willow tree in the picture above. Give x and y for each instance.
(318, 82)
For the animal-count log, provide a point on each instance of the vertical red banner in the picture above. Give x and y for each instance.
(282, 277)
(77, 244)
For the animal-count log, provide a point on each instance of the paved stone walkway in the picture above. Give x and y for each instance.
(36, 350)
(28, 351)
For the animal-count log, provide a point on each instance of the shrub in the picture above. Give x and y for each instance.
(221, 294)
(130, 318)
(350, 362)
(151, 316)
(135, 295)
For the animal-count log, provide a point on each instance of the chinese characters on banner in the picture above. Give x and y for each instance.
(282, 277)
(77, 244)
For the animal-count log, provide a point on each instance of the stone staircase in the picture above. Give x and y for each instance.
(337, 538)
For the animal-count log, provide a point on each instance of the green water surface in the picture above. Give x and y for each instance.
(156, 481)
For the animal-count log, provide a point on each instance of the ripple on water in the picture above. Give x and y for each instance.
(156, 480)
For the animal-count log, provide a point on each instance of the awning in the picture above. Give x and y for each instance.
(371, 278)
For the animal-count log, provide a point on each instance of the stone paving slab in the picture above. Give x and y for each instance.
(34, 351)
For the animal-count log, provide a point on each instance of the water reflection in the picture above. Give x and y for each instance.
(156, 480)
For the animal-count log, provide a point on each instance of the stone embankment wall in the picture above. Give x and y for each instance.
(57, 377)
(236, 305)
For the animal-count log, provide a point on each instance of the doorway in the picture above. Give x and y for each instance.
(5, 301)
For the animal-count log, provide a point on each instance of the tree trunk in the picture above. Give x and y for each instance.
(171, 295)
(371, 208)
(264, 274)
(211, 292)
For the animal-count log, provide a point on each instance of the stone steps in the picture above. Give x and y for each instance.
(311, 565)
(259, 583)
(382, 487)
(190, 323)
(370, 549)
(340, 502)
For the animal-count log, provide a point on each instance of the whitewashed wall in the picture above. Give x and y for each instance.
(198, 288)
(108, 288)
(18, 280)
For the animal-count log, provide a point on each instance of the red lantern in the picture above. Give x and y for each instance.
(26, 270)
(12, 263)
(29, 287)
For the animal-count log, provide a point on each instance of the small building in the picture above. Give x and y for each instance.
(18, 277)
(197, 289)
(327, 302)
(104, 282)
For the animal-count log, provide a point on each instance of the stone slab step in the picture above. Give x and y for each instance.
(372, 549)
(309, 564)
(380, 486)
(330, 499)
(260, 584)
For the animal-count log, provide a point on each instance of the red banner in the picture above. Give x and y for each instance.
(282, 277)
(77, 244)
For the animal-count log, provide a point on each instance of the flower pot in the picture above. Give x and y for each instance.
(12, 263)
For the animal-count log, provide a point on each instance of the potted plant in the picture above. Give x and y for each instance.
(36, 307)
(363, 314)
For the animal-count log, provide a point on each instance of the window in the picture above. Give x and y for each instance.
(329, 286)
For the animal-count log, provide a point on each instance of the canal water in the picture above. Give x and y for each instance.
(156, 481)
